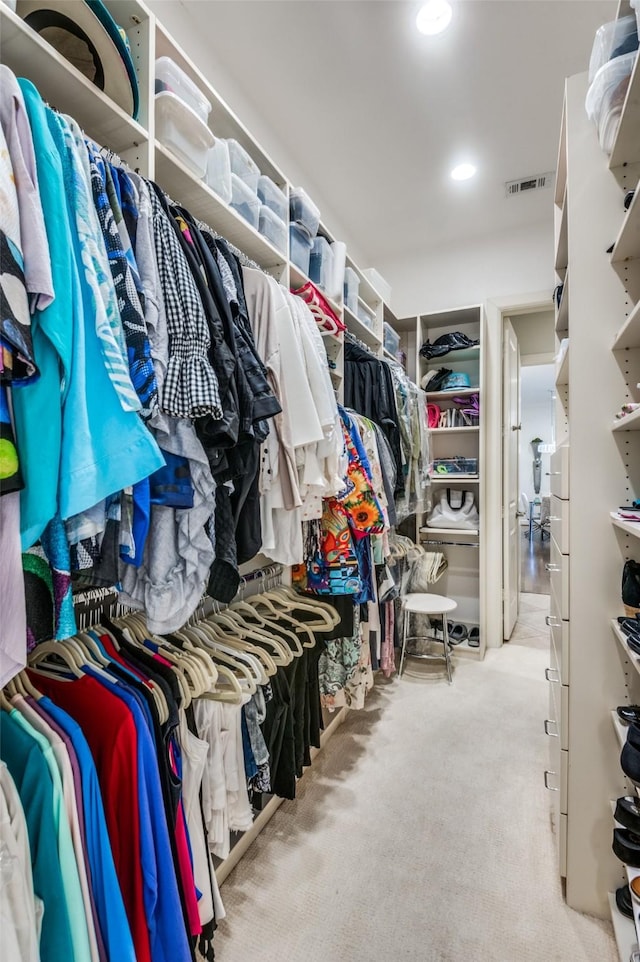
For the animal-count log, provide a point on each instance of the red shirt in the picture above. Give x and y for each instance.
(110, 731)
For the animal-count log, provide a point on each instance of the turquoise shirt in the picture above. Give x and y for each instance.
(76, 442)
(29, 771)
(66, 854)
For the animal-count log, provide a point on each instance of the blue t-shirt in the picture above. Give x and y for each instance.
(29, 770)
(112, 917)
(167, 932)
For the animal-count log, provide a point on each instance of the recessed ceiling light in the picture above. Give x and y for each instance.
(463, 172)
(434, 17)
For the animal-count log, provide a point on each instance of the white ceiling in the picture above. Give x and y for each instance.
(378, 114)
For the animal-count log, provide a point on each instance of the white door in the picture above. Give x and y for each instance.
(510, 480)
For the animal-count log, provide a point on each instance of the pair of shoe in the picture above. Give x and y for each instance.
(458, 633)
(630, 755)
(626, 840)
(454, 341)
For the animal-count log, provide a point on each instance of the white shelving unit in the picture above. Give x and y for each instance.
(631, 422)
(594, 470)
(464, 580)
(621, 638)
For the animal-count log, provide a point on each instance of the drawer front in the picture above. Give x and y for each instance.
(564, 780)
(558, 568)
(562, 846)
(564, 717)
(559, 472)
(559, 518)
(560, 643)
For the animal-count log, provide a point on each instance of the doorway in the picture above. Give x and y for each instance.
(528, 441)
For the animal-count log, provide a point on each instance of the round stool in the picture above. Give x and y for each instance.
(427, 604)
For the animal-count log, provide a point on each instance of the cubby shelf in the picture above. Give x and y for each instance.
(630, 422)
(630, 527)
(627, 245)
(449, 395)
(622, 641)
(629, 333)
(562, 247)
(468, 429)
(626, 147)
(64, 87)
(361, 331)
(562, 316)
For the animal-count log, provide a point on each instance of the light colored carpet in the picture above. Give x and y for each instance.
(421, 833)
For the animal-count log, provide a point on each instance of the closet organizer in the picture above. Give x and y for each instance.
(199, 561)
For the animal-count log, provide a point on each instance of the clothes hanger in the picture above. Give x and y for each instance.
(276, 624)
(243, 661)
(327, 614)
(21, 684)
(156, 692)
(39, 656)
(281, 653)
(241, 645)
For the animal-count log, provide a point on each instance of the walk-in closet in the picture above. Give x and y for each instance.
(270, 275)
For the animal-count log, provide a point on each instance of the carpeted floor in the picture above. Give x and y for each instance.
(422, 832)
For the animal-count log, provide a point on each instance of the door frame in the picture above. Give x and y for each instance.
(510, 437)
(496, 310)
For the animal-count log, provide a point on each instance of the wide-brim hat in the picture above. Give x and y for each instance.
(85, 34)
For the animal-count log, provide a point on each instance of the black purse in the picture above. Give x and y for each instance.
(631, 587)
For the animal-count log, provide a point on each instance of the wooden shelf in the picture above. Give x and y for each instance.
(629, 423)
(449, 531)
(453, 478)
(361, 331)
(561, 166)
(469, 429)
(630, 527)
(466, 354)
(626, 147)
(629, 333)
(627, 245)
(449, 395)
(298, 278)
(184, 188)
(562, 316)
(562, 371)
(64, 87)
(619, 728)
(562, 247)
(624, 931)
(389, 355)
(621, 638)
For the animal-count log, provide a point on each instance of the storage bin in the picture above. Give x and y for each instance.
(170, 77)
(390, 339)
(273, 198)
(606, 96)
(377, 280)
(613, 39)
(366, 314)
(243, 166)
(218, 173)
(321, 263)
(273, 228)
(180, 129)
(244, 201)
(304, 211)
(351, 288)
(300, 245)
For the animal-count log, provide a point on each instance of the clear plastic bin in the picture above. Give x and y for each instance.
(244, 201)
(321, 263)
(273, 228)
(457, 465)
(180, 129)
(243, 166)
(378, 282)
(170, 77)
(366, 314)
(300, 247)
(351, 289)
(606, 96)
(613, 39)
(390, 339)
(274, 198)
(218, 174)
(304, 211)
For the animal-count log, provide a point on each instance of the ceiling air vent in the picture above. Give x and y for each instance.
(527, 184)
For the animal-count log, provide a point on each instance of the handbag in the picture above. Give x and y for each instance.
(453, 509)
(631, 587)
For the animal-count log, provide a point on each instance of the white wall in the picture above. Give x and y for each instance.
(480, 269)
(535, 333)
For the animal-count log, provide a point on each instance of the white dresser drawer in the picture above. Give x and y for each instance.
(560, 641)
(558, 568)
(562, 846)
(556, 778)
(559, 472)
(559, 518)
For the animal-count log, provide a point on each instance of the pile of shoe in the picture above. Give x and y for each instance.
(458, 632)
(626, 834)
(454, 341)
